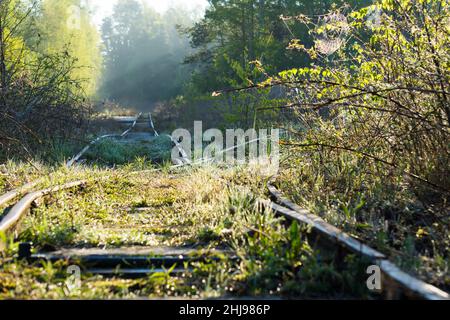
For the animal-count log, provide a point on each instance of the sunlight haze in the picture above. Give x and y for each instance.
(243, 152)
(103, 8)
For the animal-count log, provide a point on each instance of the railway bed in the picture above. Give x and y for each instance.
(140, 261)
(176, 196)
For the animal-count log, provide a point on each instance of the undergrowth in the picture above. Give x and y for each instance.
(203, 208)
(379, 207)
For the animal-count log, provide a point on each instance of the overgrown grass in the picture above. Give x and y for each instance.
(202, 208)
(14, 174)
(375, 205)
(178, 209)
(119, 152)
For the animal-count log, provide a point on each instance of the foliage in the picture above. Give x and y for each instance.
(65, 26)
(369, 149)
(42, 88)
(143, 53)
(234, 34)
(363, 99)
(235, 110)
(379, 106)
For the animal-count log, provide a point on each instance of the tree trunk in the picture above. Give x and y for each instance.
(3, 80)
(251, 48)
(244, 35)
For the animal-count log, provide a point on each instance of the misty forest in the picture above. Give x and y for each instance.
(358, 90)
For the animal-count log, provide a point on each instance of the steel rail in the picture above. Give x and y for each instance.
(152, 125)
(10, 195)
(19, 210)
(185, 159)
(396, 283)
(209, 160)
(7, 197)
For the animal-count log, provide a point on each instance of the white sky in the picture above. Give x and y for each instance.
(103, 8)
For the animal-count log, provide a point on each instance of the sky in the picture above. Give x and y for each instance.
(103, 8)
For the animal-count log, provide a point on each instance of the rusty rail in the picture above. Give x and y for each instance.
(14, 193)
(396, 283)
(20, 209)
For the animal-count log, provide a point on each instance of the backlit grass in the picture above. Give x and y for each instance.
(201, 208)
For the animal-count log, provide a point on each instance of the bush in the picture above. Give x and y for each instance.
(389, 102)
(373, 150)
(40, 102)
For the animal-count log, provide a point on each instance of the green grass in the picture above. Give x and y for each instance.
(381, 209)
(119, 152)
(204, 207)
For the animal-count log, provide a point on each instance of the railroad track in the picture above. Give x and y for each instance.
(12, 194)
(141, 261)
(122, 262)
(78, 156)
(397, 284)
(126, 262)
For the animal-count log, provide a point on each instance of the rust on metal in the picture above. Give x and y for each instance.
(396, 283)
(19, 210)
